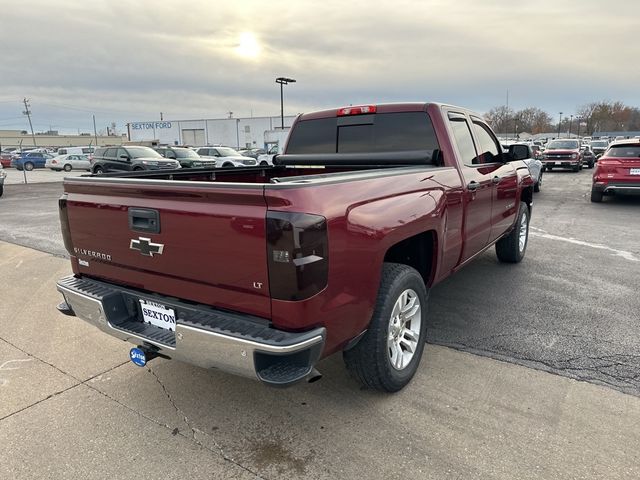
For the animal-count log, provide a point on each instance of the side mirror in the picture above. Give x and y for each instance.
(519, 152)
(124, 157)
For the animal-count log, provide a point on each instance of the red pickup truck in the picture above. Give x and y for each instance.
(263, 271)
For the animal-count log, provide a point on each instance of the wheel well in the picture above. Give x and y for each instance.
(527, 195)
(417, 252)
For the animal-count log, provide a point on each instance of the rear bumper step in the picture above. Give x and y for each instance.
(206, 337)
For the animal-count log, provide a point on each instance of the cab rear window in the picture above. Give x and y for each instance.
(383, 132)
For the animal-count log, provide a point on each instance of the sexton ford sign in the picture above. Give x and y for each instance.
(150, 125)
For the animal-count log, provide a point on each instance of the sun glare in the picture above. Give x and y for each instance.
(248, 46)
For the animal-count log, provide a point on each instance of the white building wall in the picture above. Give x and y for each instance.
(234, 132)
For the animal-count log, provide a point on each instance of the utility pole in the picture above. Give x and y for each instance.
(230, 114)
(161, 119)
(27, 112)
(559, 122)
(570, 125)
(283, 81)
(95, 133)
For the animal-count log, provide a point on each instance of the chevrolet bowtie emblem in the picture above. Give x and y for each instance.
(146, 247)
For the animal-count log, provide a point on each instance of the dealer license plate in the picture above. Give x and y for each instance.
(158, 315)
(634, 171)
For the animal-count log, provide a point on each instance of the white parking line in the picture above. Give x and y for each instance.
(618, 253)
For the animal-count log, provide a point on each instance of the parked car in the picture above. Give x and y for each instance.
(88, 150)
(68, 163)
(3, 175)
(262, 272)
(587, 156)
(29, 161)
(226, 157)
(186, 156)
(5, 159)
(563, 153)
(526, 151)
(129, 158)
(617, 171)
(598, 147)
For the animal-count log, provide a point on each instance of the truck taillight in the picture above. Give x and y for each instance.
(359, 110)
(297, 249)
(64, 223)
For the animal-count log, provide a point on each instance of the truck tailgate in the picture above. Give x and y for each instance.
(210, 246)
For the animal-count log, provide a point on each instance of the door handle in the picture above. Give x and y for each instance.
(496, 179)
(472, 186)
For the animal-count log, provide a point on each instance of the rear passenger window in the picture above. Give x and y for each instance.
(110, 152)
(488, 147)
(62, 151)
(464, 140)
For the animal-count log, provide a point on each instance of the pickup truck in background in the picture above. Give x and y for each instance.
(263, 271)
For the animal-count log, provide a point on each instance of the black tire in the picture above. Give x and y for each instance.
(369, 361)
(591, 164)
(138, 169)
(508, 248)
(68, 168)
(550, 169)
(596, 196)
(28, 166)
(576, 168)
(227, 165)
(98, 170)
(264, 164)
(1, 190)
(538, 184)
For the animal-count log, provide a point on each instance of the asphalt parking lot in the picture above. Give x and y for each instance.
(570, 308)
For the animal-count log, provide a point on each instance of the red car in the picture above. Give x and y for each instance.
(564, 153)
(618, 170)
(5, 160)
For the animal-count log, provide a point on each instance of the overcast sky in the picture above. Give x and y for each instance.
(128, 61)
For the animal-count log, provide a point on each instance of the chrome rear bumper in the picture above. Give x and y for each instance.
(206, 337)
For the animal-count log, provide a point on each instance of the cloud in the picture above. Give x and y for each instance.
(128, 61)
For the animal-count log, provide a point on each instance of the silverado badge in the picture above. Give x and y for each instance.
(146, 246)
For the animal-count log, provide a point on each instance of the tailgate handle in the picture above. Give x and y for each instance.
(145, 220)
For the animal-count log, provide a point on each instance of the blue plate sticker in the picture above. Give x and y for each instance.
(138, 357)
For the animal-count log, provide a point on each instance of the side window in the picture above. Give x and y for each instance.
(121, 151)
(488, 146)
(110, 152)
(62, 151)
(463, 138)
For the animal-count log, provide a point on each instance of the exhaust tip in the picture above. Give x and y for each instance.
(313, 376)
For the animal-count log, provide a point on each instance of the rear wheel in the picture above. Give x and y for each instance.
(511, 249)
(263, 164)
(28, 166)
(225, 165)
(388, 355)
(596, 196)
(68, 168)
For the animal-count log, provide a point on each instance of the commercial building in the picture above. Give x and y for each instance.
(234, 132)
(15, 138)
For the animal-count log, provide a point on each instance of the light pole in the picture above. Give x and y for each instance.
(559, 122)
(578, 119)
(570, 125)
(283, 81)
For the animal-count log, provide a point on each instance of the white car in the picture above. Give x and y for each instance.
(3, 175)
(68, 163)
(226, 157)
